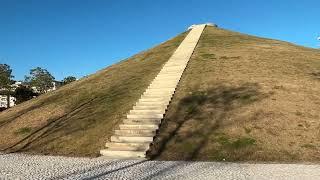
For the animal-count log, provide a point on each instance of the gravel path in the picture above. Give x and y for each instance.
(20, 166)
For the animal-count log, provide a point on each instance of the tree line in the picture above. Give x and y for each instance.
(38, 81)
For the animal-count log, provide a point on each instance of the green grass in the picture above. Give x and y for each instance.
(208, 56)
(242, 142)
(247, 130)
(309, 146)
(23, 131)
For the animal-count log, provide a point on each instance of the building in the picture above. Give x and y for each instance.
(3, 97)
(3, 101)
(56, 85)
(15, 85)
(207, 24)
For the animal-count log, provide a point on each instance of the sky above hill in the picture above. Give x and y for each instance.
(79, 37)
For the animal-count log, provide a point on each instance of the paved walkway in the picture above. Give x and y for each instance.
(20, 166)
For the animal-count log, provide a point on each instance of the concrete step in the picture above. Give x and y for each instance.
(154, 99)
(159, 93)
(177, 70)
(147, 111)
(139, 126)
(168, 76)
(144, 116)
(157, 86)
(161, 89)
(168, 73)
(174, 58)
(149, 108)
(144, 113)
(165, 72)
(170, 67)
(173, 68)
(175, 64)
(142, 121)
(163, 95)
(127, 146)
(131, 139)
(159, 104)
(150, 101)
(135, 132)
(155, 96)
(180, 64)
(122, 154)
(164, 77)
(143, 105)
(167, 83)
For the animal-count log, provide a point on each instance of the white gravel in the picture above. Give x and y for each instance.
(21, 166)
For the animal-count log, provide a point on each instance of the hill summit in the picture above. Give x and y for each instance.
(240, 97)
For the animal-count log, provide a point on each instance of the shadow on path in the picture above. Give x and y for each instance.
(112, 171)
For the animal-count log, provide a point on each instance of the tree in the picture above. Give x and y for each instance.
(68, 80)
(6, 81)
(41, 79)
(23, 93)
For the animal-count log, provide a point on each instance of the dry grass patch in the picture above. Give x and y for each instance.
(244, 89)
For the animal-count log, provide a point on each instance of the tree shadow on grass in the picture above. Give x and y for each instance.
(197, 117)
(43, 130)
(19, 114)
(83, 115)
(24, 111)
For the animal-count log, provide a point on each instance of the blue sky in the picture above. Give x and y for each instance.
(79, 37)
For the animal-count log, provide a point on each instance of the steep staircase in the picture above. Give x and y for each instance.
(136, 133)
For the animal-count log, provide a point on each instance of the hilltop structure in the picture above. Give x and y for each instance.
(207, 24)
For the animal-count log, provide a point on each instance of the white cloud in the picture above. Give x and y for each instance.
(318, 38)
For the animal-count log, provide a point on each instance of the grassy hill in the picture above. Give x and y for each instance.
(244, 98)
(241, 98)
(77, 119)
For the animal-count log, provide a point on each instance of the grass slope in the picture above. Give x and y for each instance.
(244, 98)
(241, 98)
(77, 119)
